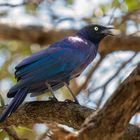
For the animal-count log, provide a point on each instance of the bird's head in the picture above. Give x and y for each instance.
(95, 33)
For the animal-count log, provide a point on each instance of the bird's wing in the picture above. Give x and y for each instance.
(48, 64)
(55, 64)
(35, 57)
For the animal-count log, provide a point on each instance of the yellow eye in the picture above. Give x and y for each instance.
(96, 28)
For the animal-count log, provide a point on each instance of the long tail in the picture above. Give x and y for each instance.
(18, 99)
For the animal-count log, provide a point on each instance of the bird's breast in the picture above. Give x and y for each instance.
(87, 60)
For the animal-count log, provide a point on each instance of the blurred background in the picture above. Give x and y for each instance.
(99, 80)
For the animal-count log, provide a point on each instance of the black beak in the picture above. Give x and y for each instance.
(108, 31)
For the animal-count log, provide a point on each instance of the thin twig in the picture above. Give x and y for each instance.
(132, 15)
(36, 2)
(114, 10)
(12, 133)
(104, 86)
(1, 100)
(102, 97)
(45, 135)
(13, 5)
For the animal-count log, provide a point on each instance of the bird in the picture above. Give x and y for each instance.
(54, 67)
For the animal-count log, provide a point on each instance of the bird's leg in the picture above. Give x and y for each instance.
(51, 91)
(71, 92)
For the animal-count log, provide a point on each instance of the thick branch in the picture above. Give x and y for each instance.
(111, 121)
(121, 42)
(32, 34)
(42, 35)
(69, 113)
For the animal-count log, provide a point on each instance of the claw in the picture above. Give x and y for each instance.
(76, 101)
(53, 99)
(68, 101)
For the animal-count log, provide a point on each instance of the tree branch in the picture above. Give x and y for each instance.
(112, 120)
(104, 86)
(32, 34)
(120, 43)
(13, 5)
(12, 133)
(20, 4)
(68, 113)
(42, 35)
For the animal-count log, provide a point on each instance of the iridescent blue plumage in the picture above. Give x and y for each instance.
(54, 66)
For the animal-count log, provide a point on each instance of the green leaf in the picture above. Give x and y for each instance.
(31, 8)
(132, 4)
(70, 2)
(3, 135)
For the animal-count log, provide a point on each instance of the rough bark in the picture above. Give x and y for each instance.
(111, 121)
(69, 113)
(42, 35)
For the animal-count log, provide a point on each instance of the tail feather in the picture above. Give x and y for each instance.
(23, 96)
(18, 99)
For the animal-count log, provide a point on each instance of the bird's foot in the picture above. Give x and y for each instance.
(70, 101)
(53, 99)
(76, 101)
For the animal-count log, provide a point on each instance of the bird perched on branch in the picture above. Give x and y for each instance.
(54, 67)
